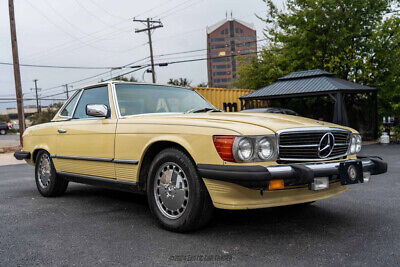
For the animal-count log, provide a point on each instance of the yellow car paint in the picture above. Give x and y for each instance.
(128, 138)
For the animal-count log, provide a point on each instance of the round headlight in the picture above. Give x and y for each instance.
(265, 149)
(358, 143)
(353, 144)
(245, 149)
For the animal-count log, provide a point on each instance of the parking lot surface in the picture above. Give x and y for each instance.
(94, 226)
(9, 140)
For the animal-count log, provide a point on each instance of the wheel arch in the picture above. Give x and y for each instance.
(151, 151)
(36, 150)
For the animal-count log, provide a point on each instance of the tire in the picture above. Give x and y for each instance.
(305, 204)
(48, 183)
(3, 132)
(190, 205)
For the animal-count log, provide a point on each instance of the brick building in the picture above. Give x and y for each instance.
(226, 40)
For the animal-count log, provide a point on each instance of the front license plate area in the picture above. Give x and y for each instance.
(351, 172)
(320, 183)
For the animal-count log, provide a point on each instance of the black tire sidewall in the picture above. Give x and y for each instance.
(51, 188)
(196, 194)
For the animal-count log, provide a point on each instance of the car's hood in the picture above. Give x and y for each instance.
(273, 122)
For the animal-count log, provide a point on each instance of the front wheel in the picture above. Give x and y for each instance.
(48, 182)
(176, 194)
(3, 132)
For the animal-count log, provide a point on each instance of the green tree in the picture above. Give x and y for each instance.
(202, 84)
(261, 71)
(180, 82)
(357, 40)
(124, 79)
(4, 118)
(45, 115)
(385, 66)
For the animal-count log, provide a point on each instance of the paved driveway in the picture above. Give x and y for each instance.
(9, 140)
(93, 226)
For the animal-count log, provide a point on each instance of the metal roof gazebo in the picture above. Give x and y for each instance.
(313, 83)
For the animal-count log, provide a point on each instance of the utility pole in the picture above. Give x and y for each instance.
(66, 90)
(17, 74)
(151, 25)
(38, 107)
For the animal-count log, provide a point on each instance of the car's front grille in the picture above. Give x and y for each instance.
(302, 145)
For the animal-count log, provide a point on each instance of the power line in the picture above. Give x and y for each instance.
(163, 64)
(151, 25)
(119, 75)
(68, 44)
(58, 67)
(140, 66)
(118, 32)
(108, 12)
(93, 76)
(179, 10)
(172, 8)
(95, 16)
(61, 28)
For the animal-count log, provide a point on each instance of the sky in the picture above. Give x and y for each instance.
(100, 33)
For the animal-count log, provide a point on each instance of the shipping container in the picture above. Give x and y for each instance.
(221, 98)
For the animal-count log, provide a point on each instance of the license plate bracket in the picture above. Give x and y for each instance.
(351, 172)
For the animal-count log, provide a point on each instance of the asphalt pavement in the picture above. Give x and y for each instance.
(94, 226)
(9, 140)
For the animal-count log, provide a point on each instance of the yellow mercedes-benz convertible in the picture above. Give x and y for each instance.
(190, 157)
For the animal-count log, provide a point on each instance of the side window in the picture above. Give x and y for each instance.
(68, 109)
(98, 95)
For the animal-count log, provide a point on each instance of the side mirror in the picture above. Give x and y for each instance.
(97, 110)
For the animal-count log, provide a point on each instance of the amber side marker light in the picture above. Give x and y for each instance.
(276, 184)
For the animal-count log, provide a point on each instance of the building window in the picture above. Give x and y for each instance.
(223, 59)
(220, 67)
(246, 44)
(223, 80)
(245, 52)
(218, 46)
(244, 38)
(238, 30)
(220, 73)
(224, 31)
(217, 39)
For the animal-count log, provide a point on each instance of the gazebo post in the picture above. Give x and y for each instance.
(375, 113)
(339, 113)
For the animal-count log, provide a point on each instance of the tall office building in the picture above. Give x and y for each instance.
(226, 40)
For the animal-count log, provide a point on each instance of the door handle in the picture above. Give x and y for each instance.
(62, 131)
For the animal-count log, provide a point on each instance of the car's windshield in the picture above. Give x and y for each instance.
(142, 98)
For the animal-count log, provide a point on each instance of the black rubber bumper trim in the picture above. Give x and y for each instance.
(249, 176)
(259, 176)
(378, 167)
(254, 176)
(20, 155)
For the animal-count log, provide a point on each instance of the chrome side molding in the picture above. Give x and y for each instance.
(120, 161)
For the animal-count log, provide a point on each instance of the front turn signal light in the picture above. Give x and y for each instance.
(223, 144)
(276, 184)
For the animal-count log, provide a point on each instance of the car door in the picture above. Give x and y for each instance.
(85, 144)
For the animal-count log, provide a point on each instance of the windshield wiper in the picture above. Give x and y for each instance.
(199, 110)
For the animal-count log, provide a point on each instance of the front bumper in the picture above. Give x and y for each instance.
(292, 174)
(20, 155)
